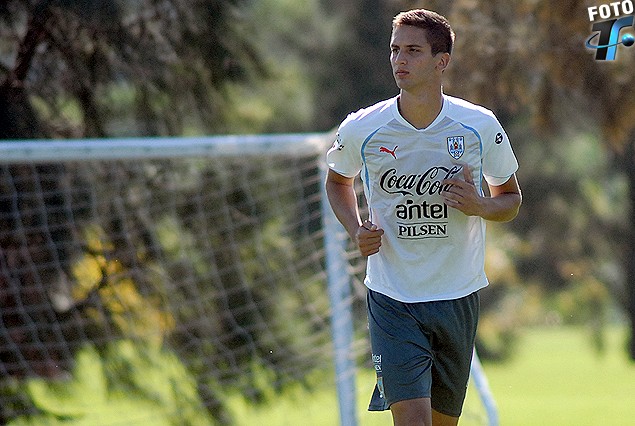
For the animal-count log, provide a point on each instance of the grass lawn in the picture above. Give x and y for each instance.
(558, 379)
(554, 379)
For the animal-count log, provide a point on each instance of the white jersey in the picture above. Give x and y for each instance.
(429, 251)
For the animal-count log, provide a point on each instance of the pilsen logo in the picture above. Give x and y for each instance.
(428, 183)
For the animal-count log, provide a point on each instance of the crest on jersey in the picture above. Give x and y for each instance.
(456, 146)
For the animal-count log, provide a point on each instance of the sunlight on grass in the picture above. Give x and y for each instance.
(555, 378)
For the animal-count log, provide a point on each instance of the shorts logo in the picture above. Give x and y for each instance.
(456, 146)
(380, 379)
(499, 138)
(377, 362)
(380, 386)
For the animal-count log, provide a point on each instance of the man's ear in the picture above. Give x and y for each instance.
(443, 60)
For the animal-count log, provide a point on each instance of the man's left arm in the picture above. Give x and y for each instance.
(501, 206)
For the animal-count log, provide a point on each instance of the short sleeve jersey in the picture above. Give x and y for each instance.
(429, 251)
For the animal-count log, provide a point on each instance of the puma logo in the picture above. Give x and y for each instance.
(384, 149)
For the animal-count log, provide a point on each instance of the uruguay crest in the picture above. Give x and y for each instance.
(456, 146)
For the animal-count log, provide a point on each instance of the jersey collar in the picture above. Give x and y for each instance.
(439, 117)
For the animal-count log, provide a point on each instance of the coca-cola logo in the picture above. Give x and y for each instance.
(428, 183)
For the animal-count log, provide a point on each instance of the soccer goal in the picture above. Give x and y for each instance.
(160, 275)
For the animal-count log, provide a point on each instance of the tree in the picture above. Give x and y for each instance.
(354, 70)
(528, 59)
(151, 68)
(86, 62)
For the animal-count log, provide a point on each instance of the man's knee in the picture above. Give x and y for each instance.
(419, 412)
(439, 419)
(412, 412)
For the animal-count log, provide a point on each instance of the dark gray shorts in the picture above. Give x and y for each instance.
(422, 350)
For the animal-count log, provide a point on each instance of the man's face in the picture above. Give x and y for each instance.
(411, 58)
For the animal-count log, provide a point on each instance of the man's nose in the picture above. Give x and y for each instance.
(400, 58)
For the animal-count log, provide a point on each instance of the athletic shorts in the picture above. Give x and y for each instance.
(422, 350)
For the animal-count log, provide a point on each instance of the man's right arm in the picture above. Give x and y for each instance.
(343, 199)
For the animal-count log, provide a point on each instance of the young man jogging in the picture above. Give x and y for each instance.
(423, 157)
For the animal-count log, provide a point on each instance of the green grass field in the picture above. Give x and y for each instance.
(558, 379)
(555, 378)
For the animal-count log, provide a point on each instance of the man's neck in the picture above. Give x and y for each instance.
(420, 110)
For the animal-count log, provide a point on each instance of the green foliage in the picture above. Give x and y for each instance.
(128, 383)
(558, 262)
(252, 271)
(574, 216)
(353, 69)
(174, 57)
(293, 37)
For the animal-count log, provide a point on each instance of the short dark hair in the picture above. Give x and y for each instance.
(439, 33)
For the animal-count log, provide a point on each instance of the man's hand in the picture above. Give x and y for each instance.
(343, 200)
(368, 238)
(462, 194)
(501, 206)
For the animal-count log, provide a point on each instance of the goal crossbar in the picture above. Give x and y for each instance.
(45, 150)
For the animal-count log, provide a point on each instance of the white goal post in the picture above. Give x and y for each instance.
(259, 149)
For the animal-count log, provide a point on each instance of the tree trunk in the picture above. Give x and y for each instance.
(17, 118)
(630, 258)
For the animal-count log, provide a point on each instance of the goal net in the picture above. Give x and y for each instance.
(146, 281)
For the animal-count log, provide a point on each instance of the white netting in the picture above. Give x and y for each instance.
(219, 259)
(142, 282)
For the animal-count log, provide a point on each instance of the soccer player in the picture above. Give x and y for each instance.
(423, 157)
